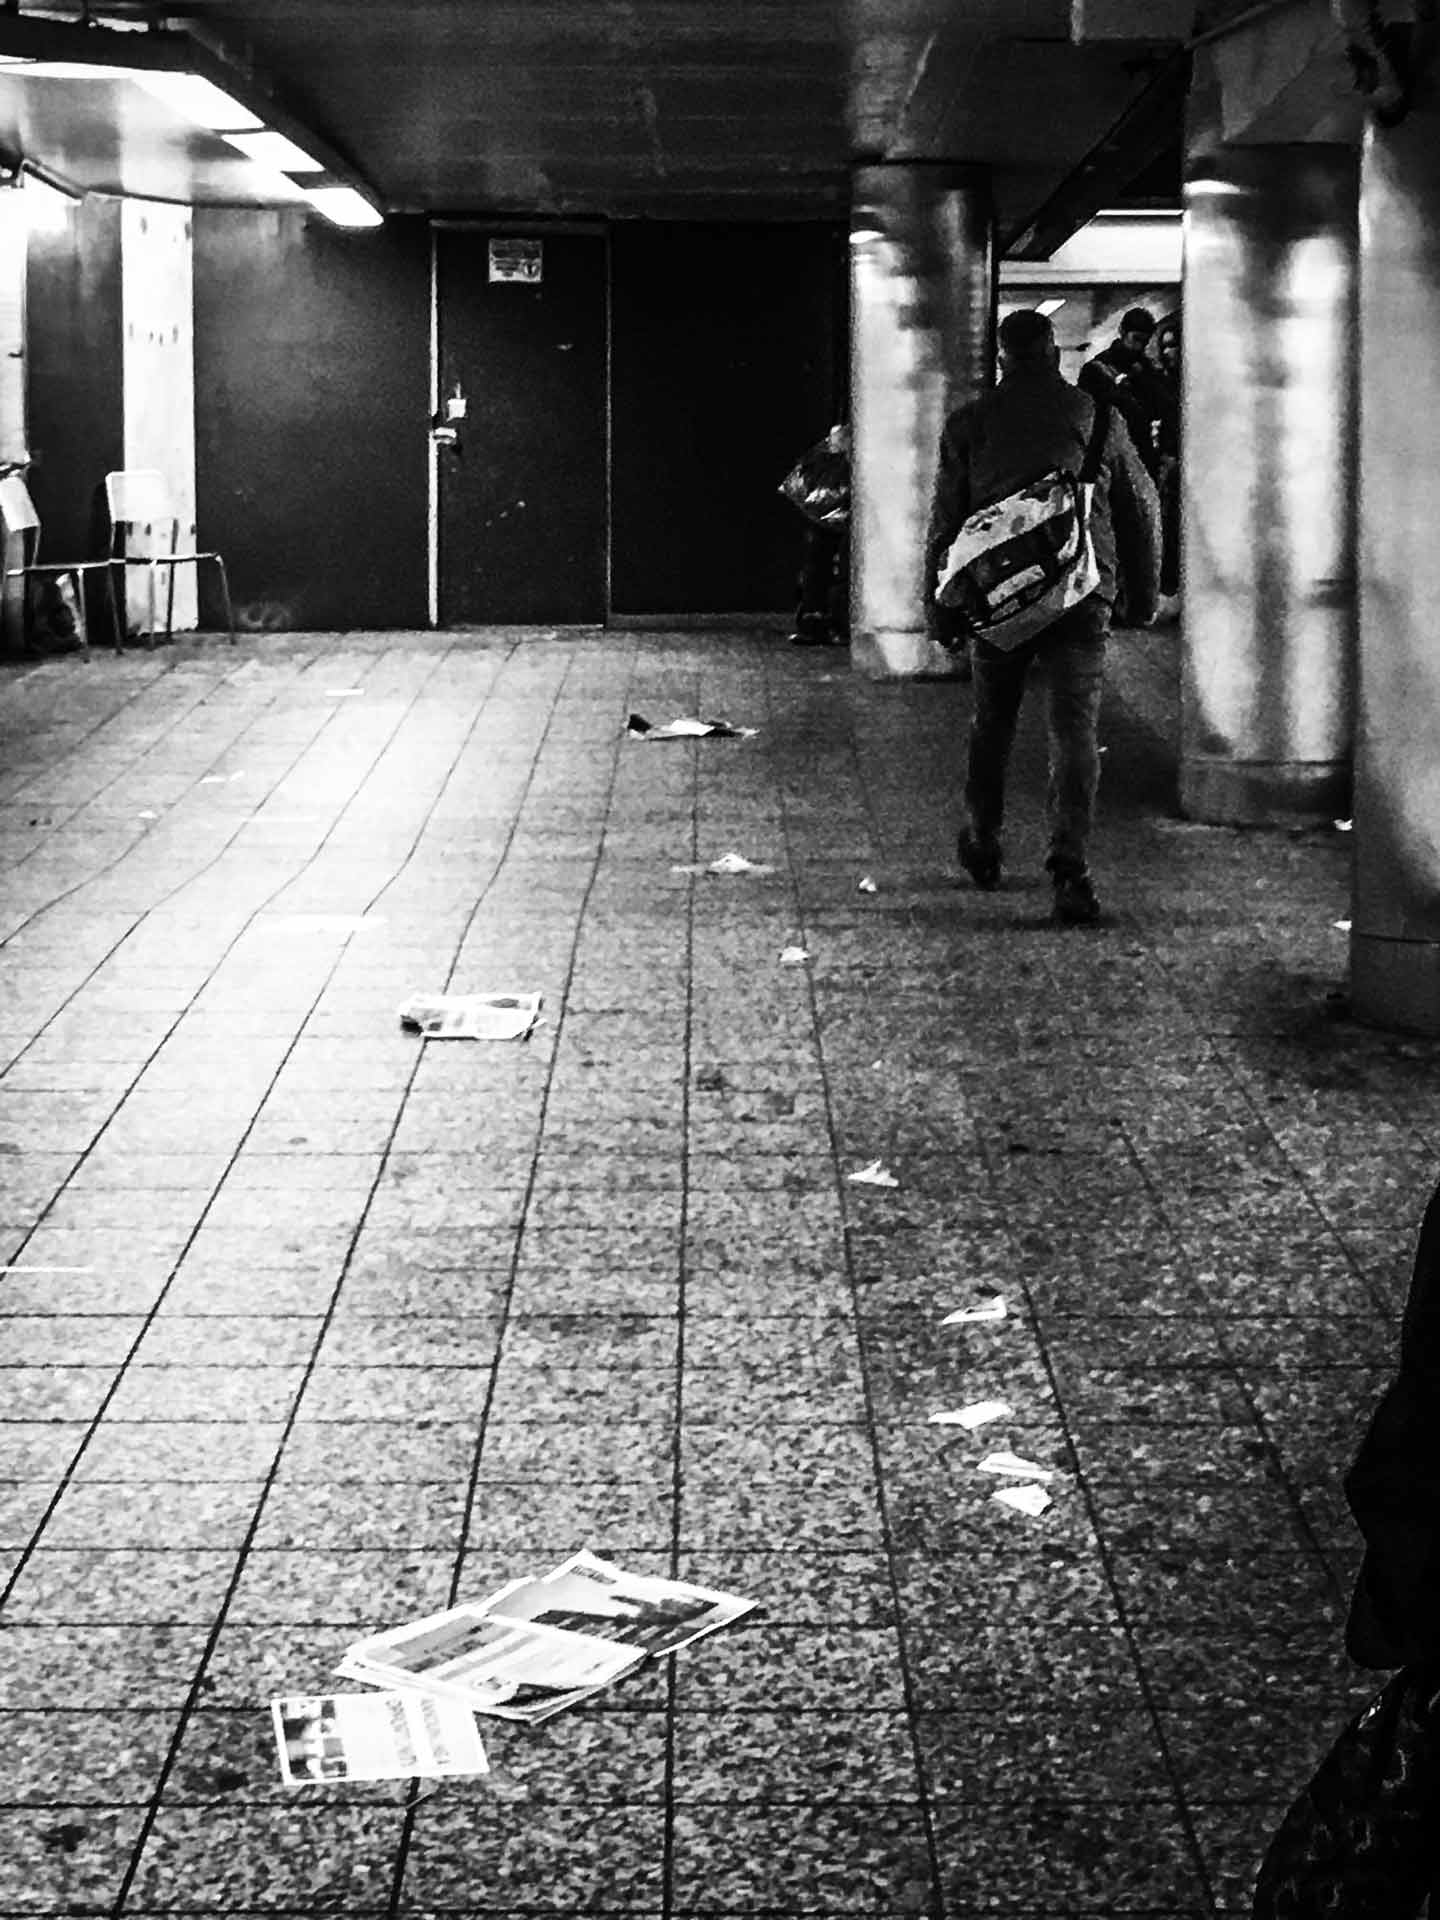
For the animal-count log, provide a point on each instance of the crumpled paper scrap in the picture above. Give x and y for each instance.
(639, 728)
(1032, 1500)
(1344, 826)
(992, 1309)
(793, 956)
(977, 1414)
(874, 1174)
(1013, 1464)
(1341, 926)
(866, 884)
(727, 863)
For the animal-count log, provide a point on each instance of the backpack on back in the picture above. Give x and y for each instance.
(1018, 564)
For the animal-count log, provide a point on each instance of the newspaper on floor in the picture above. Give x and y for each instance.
(374, 1736)
(873, 1174)
(978, 1414)
(471, 1016)
(992, 1308)
(588, 1595)
(639, 728)
(1015, 1466)
(512, 1669)
(1032, 1500)
(727, 863)
(539, 1645)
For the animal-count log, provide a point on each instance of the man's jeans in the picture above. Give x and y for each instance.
(1068, 659)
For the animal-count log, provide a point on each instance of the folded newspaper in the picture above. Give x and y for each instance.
(639, 728)
(538, 1646)
(471, 1016)
(374, 1736)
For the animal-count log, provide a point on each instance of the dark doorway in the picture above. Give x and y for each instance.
(729, 359)
(523, 507)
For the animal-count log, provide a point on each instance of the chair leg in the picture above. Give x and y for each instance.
(117, 629)
(170, 593)
(225, 596)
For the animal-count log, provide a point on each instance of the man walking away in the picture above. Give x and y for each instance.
(1033, 421)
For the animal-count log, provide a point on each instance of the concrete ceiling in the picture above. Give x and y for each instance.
(694, 109)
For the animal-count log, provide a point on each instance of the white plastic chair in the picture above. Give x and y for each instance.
(139, 502)
(19, 518)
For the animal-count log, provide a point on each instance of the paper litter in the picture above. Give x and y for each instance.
(1344, 826)
(874, 1174)
(539, 1645)
(793, 956)
(471, 1016)
(639, 728)
(727, 863)
(975, 1415)
(374, 1736)
(1341, 926)
(991, 1309)
(865, 884)
(1013, 1464)
(1031, 1500)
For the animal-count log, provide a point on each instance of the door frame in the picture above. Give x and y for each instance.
(506, 223)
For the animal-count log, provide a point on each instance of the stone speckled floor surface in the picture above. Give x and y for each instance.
(310, 1326)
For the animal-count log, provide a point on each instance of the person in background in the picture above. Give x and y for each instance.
(1124, 374)
(1035, 420)
(1166, 349)
(819, 486)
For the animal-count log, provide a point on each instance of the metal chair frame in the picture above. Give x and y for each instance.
(18, 516)
(139, 496)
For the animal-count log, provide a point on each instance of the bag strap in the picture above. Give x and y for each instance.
(1095, 446)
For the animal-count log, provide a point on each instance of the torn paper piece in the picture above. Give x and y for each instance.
(873, 1175)
(374, 1736)
(865, 884)
(991, 1309)
(793, 956)
(471, 1016)
(1341, 926)
(1344, 826)
(978, 1414)
(1017, 1468)
(148, 814)
(1031, 1500)
(639, 728)
(727, 863)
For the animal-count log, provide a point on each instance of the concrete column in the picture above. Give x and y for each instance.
(922, 280)
(1268, 484)
(1395, 943)
(157, 301)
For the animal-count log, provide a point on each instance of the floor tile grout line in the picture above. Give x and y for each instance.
(402, 1851)
(677, 1482)
(937, 1902)
(149, 1317)
(112, 714)
(109, 866)
(218, 1623)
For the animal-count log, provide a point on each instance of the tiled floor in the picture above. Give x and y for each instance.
(311, 1326)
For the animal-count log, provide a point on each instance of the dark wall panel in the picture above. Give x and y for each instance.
(728, 359)
(312, 384)
(75, 394)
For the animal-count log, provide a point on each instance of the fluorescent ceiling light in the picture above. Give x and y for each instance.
(273, 150)
(1047, 307)
(198, 99)
(1140, 213)
(343, 205)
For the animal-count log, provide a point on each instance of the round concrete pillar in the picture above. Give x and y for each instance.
(922, 278)
(1395, 941)
(1268, 481)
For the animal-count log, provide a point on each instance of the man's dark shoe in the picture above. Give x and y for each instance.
(980, 862)
(1075, 902)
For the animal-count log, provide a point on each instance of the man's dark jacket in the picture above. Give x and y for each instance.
(1394, 1487)
(1032, 421)
(1130, 382)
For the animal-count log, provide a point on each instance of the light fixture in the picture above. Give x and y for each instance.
(270, 149)
(1047, 307)
(292, 163)
(343, 205)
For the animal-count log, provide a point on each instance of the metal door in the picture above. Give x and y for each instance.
(520, 426)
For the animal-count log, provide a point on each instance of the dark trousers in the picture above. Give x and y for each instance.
(822, 603)
(1068, 661)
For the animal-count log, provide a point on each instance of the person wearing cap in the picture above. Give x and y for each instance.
(1031, 423)
(1124, 374)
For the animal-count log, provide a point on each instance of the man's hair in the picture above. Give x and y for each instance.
(1138, 320)
(1026, 335)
